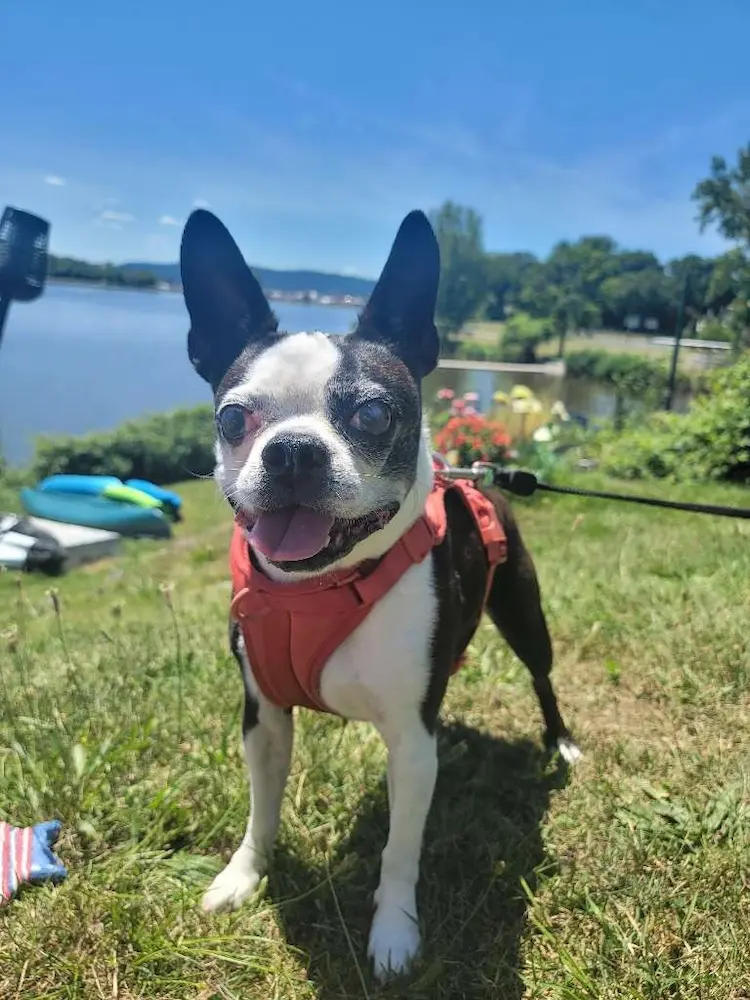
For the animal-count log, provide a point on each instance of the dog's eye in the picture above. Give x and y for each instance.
(372, 418)
(232, 422)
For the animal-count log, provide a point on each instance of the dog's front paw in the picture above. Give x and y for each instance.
(569, 750)
(394, 941)
(230, 888)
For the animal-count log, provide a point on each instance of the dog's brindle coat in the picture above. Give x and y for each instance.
(394, 669)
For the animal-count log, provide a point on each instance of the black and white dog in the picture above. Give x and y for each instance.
(342, 418)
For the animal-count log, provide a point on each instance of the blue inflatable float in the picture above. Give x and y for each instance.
(96, 512)
(167, 497)
(86, 485)
(138, 492)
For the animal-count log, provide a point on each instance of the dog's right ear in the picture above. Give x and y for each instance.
(227, 307)
(401, 309)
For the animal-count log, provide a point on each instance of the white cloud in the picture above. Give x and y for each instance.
(169, 220)
(111, 216)
(54, 181)
(280, 213)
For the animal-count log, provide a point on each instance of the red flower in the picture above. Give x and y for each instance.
(474, 437)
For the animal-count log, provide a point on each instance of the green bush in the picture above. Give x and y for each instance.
(712, 441)
(640, 452)
(522, 336)
(631, 372)
(714, 329)
(470, 350)
(11, 481)
(164, 449)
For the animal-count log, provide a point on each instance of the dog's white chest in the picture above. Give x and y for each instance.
(385, 663)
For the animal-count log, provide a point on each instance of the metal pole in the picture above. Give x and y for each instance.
(4, 307)
(669, 398)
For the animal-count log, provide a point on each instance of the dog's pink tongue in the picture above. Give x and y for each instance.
(291, 534)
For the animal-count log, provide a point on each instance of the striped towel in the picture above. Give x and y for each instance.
(26, 856)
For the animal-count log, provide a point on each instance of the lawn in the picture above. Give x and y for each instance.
(613, 341)
(486, 332)
(629, 878)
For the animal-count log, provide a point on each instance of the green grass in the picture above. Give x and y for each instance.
(614, 341)
(630, 879)
(488, 332)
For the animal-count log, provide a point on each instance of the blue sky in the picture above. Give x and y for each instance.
(311, 129)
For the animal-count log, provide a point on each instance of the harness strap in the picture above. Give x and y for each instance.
(292, 629)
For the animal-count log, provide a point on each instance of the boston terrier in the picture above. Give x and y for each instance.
(323, 455)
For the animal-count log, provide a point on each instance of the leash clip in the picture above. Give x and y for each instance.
(484, 473)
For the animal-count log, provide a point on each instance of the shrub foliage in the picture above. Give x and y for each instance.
(712, 441)
(164, 448)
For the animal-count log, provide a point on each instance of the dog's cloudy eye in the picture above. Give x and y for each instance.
(232, 422)
(372, 418)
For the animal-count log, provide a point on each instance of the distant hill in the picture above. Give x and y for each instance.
(280, 281)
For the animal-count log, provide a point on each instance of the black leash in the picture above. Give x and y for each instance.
(524, 484)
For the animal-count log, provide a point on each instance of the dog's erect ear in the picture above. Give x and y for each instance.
(227, 307)
(401, 309)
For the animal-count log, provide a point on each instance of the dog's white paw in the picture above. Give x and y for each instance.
(394, 941)
(230, 889)
(569, 750)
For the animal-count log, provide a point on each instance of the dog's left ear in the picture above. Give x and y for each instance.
(401, 309)
(227, 307)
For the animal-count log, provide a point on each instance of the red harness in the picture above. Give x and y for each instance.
(291, 629)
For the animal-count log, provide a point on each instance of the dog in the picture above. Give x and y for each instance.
(324, 457)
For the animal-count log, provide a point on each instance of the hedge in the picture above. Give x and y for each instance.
(165, 448)
(631, 372)
(711, 441)
(472, 350)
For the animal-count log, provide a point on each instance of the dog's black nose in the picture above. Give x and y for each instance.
(293, 457)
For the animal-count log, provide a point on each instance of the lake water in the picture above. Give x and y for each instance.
(81, 359)
(84, 359)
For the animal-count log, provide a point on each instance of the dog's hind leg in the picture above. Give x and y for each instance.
(267, 734)
(514, 605)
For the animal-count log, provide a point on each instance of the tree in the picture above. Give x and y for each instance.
(724, 198)
(575, 273)
(581, 267)
(463, 273)
(729, 277)
(571, 313)
(106, 274)
(537, 294)
(507, 274)
(728, 296)
(522, 336)
(693, 274)
(646, 294)
(636, 260)
(724, 201)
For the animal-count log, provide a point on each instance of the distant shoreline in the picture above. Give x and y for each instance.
(165, 288)
(102, 286)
